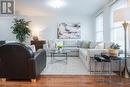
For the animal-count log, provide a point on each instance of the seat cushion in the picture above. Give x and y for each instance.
(93, 52)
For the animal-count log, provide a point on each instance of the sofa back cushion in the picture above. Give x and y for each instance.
(70, 43)
(93, 45)
(32, 47)
(100, 45)
(107, 45)
(51, 44)
(85, 44)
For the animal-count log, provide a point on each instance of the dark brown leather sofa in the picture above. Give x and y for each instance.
(18, 62)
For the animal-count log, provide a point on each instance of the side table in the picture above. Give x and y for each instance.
(38, 44)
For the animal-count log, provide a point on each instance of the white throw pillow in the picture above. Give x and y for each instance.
(51, 45)
(92, 45)
(107, 45)
(100, 45)
(33, 48)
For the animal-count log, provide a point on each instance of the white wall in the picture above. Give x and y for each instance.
(5, 31)
(46, 26)
(5, 27)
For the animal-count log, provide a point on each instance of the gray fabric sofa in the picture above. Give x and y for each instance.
(71, 46)
(87, 56)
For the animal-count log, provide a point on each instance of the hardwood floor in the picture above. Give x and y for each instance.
(67, 81)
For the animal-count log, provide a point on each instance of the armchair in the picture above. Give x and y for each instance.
(2, 43)
(19, 62)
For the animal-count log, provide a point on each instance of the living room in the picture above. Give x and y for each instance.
(67, 39)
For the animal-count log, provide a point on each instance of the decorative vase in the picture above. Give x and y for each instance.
(113, 52)
(59, 49)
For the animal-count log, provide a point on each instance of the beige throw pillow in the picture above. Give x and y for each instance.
(100, 46)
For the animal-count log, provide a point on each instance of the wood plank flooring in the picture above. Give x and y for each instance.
(68, 81)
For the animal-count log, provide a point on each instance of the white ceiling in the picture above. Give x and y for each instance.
(73, 7)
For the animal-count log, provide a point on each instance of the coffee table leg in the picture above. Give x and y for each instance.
(52, 58)
(66, 58)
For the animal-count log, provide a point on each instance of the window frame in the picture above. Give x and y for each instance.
(98, 31)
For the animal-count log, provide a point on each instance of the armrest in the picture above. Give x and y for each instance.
(37, 64)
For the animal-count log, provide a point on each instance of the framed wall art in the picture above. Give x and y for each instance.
(69, 31)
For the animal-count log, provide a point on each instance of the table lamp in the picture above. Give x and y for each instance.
(123, 16)
(35, 38)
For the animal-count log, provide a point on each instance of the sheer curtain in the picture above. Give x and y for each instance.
(99, 28)
(117, 31)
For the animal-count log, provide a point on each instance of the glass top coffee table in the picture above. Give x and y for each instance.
(63, 54)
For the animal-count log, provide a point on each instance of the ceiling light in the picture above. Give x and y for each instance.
(56, 3)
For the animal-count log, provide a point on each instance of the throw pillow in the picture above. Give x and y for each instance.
(85, 44)
(100, 45)
(107, 45)
(51, 44)
(93, 45)
(33, 48)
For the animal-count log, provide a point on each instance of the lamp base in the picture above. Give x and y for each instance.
(125, 73)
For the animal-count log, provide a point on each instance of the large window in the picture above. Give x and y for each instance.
(99, 28)
(117, 31)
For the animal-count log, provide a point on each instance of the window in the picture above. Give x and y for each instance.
(117, 31)
(99, 28)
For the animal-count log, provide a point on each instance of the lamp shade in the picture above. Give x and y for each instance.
(122, 15)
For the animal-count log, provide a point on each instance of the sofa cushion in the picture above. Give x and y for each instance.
(93, 45)
(100, 45)
(51, 44)
(107, 45)
(93, 52)
(83, 51)
(33, 48)
(70, 43)
(72, 49)
(85, 44)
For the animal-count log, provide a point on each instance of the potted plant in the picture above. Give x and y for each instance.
(114, 49)
(20, 29)
(60, 47)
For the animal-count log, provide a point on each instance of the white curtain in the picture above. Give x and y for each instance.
(117, 30)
